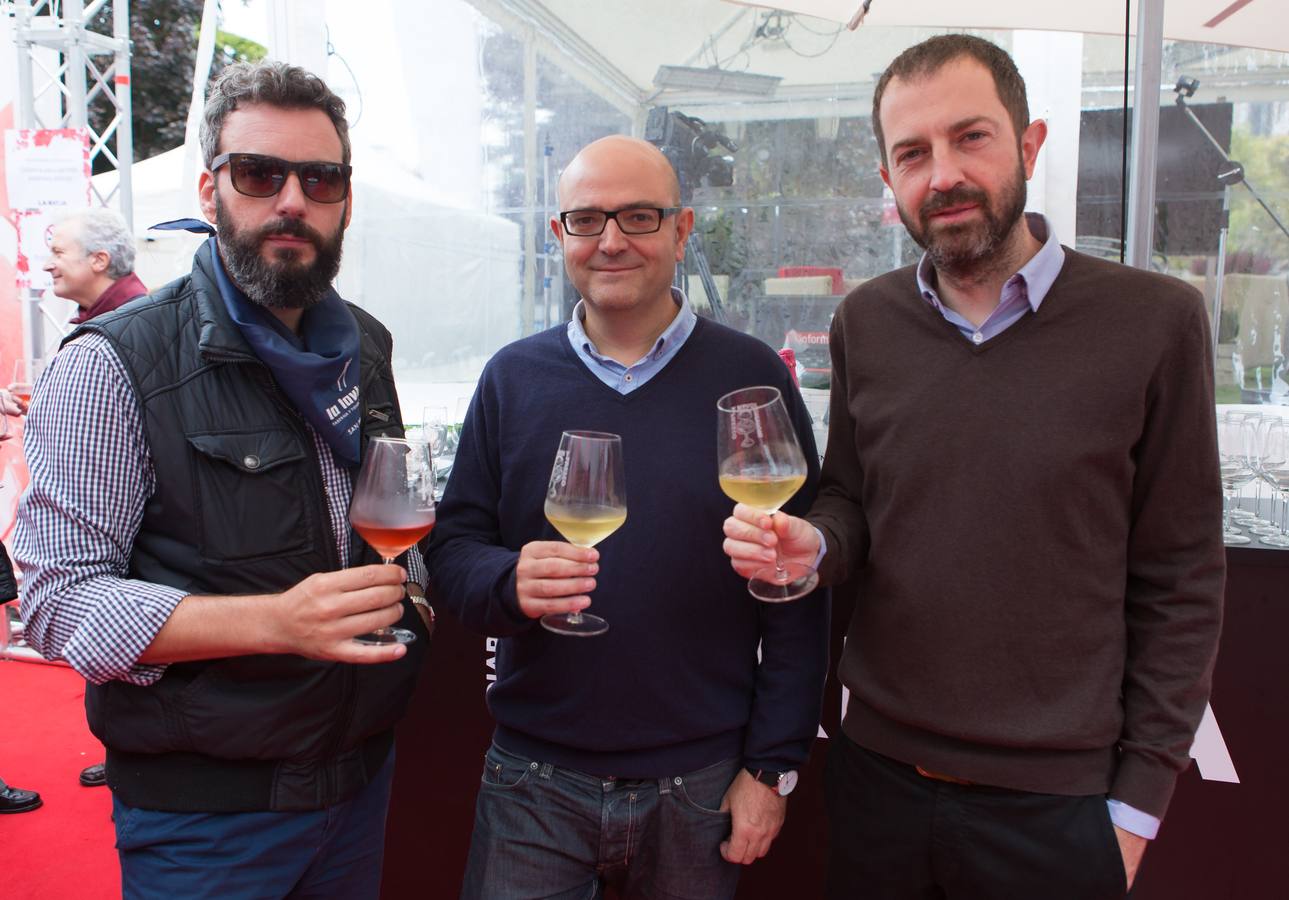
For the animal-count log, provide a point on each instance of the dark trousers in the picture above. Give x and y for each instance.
(899, 835)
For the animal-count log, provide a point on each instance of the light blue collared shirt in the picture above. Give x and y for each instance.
(625, 379)
(1023, 292)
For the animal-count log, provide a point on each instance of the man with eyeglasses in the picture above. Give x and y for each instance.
(656, 757)
(185, 539)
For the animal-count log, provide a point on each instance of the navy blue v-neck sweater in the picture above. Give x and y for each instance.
(676, 683)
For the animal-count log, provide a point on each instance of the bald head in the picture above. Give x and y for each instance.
(622, 161)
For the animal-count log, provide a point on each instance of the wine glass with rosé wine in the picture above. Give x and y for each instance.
(25, 374)
(586, 501)
(761, 465)
(393, 508)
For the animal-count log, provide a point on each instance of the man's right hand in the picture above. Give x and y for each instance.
(554, 577)
(10, 405)
(320, 616)
(751, 536)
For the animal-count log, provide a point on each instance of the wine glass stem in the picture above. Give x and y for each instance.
(575, 617)
(384, 629)
(781, 575)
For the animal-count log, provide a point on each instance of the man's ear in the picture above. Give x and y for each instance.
(684, 228)
(206, 194)
(1031, 141)
(99, 261)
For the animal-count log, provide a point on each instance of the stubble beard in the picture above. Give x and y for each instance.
(285, 282)
(971, 249)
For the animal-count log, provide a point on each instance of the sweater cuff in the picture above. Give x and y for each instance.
(1143, 784)
(831, 563)
(508, 597)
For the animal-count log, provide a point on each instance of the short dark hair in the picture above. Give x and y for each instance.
(930, 56)
(273, 84)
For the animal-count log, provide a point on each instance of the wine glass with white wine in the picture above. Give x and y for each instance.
(393, 508)
(761, 465)
(586, 502)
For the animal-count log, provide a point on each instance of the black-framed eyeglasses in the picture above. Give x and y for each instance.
(631, 220)
(263, 176)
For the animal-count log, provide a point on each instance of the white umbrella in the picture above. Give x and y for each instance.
(1240, 23)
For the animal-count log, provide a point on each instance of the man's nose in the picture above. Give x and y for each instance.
(612, 240)
(946, 173)
(290, 202)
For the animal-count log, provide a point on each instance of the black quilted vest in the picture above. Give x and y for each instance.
(240, 508)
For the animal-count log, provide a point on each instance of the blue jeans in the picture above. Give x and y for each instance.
(546, 832)
(327, 853)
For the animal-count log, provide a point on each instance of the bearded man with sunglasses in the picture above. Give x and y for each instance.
(184, 536)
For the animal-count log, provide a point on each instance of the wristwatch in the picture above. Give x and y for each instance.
(781, 783)
(416, 594)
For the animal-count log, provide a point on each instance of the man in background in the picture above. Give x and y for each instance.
(1030, 516)
(91, 262)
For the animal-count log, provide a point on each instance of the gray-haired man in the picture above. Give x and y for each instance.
(91, 261)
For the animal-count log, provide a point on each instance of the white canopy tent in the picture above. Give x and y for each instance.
(442, 279)
(1239, 23)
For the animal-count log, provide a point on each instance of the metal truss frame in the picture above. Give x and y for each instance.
(87, 65)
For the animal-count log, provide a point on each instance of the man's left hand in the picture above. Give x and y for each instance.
(1132, 847)
(757, 812)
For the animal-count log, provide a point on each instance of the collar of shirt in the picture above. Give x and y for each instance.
(1023, 292)
(625, 379)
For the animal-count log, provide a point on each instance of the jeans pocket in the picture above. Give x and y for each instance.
(704, 790)
(504, 771)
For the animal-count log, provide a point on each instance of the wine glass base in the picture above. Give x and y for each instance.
(584, 625)
(771, 585)
(1275, 541)
(386, 636)
(1233, 540)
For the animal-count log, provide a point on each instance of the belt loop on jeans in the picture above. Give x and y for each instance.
(545, 771)
(664, 784)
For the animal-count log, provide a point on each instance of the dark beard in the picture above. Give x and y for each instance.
(284, 282)
(970, 249)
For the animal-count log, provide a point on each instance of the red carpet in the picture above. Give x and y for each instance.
(64, 850)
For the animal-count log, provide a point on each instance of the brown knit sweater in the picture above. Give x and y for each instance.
(1033, 527)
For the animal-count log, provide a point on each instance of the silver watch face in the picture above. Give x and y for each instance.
(787, 781)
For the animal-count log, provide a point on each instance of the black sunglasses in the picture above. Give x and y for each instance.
(263, 176)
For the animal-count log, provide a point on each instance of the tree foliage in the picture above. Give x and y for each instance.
(1266, 165)
(163, 35)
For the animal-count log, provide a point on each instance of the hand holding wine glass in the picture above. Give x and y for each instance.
(586, 502)
(393, 507)
(761, 465)
(25, 373)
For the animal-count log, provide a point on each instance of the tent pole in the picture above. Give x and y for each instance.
(1145, 133)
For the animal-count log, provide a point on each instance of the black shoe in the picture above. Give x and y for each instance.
(94, 776)
(16, 800)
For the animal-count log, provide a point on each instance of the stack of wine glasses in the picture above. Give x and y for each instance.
(1273, 468)
(1253, 450)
